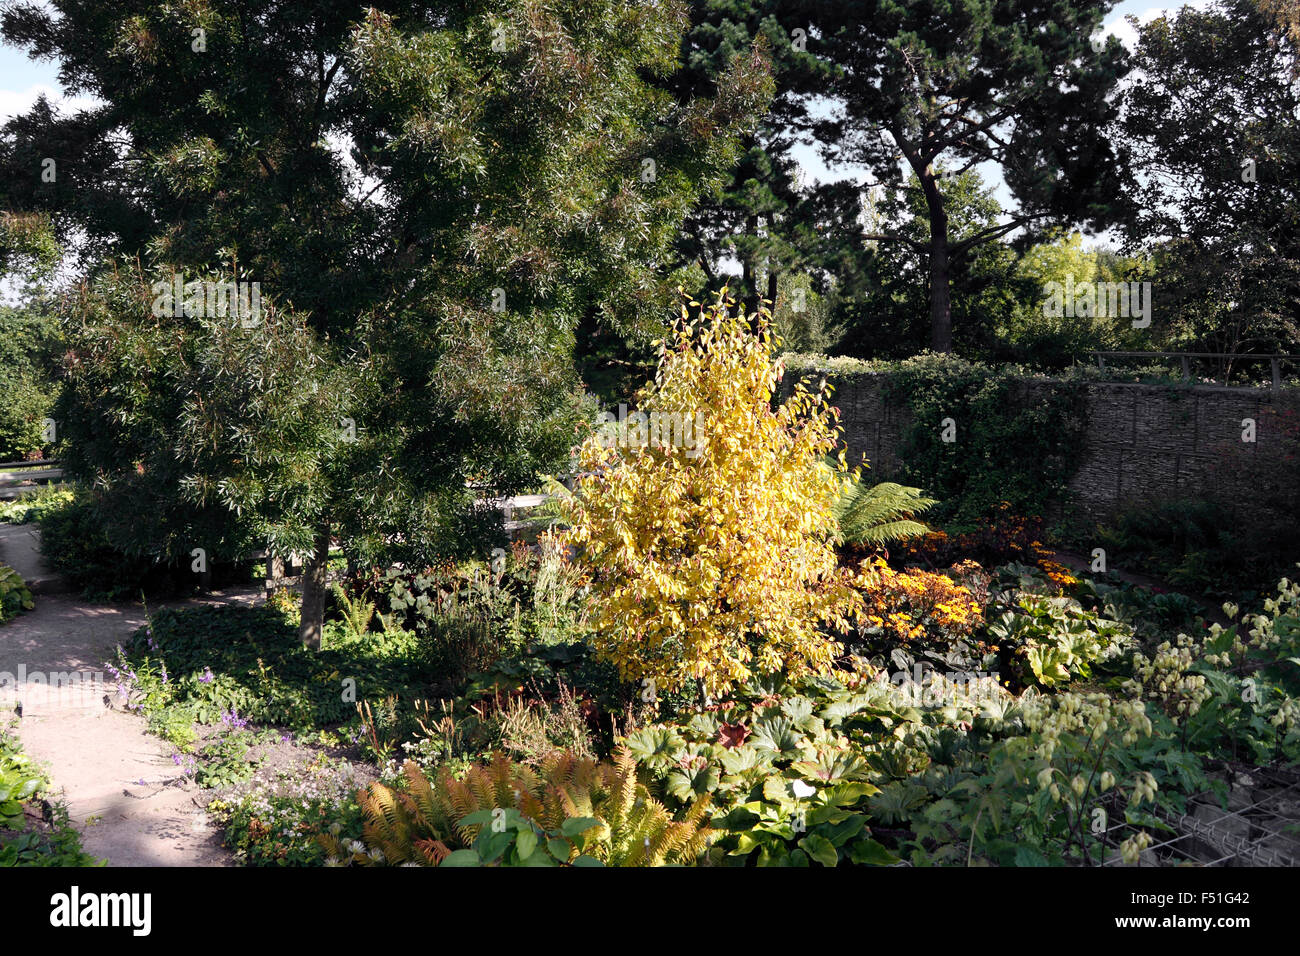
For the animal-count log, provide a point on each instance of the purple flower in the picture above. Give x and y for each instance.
(231, 718)
(206, 677)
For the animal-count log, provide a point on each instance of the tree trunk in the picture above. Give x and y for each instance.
(940, 293)
(313, 591)
(749, 274)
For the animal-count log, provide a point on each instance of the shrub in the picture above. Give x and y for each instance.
(27, 340)
(15, 596)
(919, 611)
(1196, 544)
(472, 615)
(24, 406)
(1236, 691)
(75, 543)
(712, 561)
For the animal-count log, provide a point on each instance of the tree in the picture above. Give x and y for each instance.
(1050, 337)
(762, 217)
(709, 540)
(433, 196)
(1016, 84)
(887, 316)
(1213, 120)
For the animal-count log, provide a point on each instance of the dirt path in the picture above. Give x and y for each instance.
(122, 790)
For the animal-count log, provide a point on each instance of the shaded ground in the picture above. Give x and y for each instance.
(122, 790)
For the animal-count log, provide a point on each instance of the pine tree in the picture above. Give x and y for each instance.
(930, 85)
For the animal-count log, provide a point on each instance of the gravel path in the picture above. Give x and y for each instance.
(122, 790)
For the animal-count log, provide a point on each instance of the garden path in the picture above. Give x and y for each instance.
(123, 793)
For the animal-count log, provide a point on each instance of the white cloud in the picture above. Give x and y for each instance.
(16, 102)
(1120, 27)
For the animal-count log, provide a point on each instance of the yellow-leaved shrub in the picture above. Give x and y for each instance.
(711, 555)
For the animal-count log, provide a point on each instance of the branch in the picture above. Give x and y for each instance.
(884, 237)
(993, 232)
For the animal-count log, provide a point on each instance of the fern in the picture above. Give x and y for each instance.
(880, 514)
(358, 613)
(421, 825)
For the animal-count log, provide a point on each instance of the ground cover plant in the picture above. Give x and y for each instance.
(15, 596)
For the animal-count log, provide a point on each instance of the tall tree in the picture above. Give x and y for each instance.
(963, 82)
(886, 317)
(1213, 122)
(762, 218)
(431, 196)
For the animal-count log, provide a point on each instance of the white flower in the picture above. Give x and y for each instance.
(802, 789)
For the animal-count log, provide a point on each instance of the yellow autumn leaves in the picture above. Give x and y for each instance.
(711, 562)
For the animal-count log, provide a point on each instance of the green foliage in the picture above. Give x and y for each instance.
(889, 315)
(1236, 691)
(358, 613)
(791, 769)
(880, 514)
(970, 82)
(518, 841)
(24, 406)
(440, 315)
(1010, 444)
(1213, 109)
(75, 542)
(36, 504)
(1052, 341)
(469, 617)
(1196, 545)
(247, 663)
(15, 596)
(27, 344)
(1017, 441)
(1049, 641)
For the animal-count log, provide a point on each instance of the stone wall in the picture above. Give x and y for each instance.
(1143, 444)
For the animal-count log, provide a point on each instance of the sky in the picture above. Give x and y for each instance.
(22, 80)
